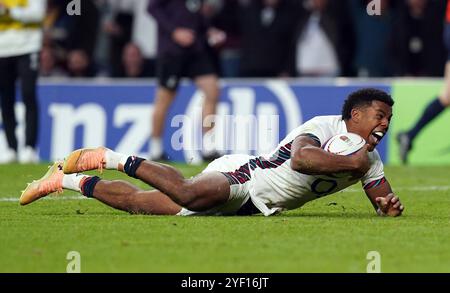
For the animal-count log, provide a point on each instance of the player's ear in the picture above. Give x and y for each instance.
(356, 115)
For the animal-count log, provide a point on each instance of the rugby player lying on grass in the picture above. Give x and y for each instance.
(296, 172)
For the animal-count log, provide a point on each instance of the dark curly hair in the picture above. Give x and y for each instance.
(363, 98)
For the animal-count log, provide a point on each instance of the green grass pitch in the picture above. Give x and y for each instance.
(332, 234)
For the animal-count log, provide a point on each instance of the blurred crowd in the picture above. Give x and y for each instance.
(263, 38)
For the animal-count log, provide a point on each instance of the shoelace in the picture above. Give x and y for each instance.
(49, 186)
(91, 160)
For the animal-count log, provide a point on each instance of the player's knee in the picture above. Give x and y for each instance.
(212, 97)
(186, 194)
(189, 195)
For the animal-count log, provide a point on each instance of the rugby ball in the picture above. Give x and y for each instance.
(344, 144)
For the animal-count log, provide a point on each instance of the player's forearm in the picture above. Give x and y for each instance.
(314, 160)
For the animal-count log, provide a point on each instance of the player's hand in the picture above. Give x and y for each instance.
(389, 205)
(183, 36)
(361, 162)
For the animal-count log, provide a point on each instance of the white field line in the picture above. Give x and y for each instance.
(351, 190)
(410, 188)
(70, 197)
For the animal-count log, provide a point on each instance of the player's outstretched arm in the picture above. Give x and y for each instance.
(385, 202)
(309, 158)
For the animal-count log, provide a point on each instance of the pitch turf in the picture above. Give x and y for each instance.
(332, 234)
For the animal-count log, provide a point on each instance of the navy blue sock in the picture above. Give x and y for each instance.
(431, 111)
(87, 189)
(131, 165)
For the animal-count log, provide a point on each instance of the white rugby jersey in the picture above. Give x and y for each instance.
(275, 186)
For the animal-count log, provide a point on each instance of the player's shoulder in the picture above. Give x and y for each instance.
(332, 121)
(327, 119)
(323, 127)
(333, 124)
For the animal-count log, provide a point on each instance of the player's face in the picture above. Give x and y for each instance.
(373, 122)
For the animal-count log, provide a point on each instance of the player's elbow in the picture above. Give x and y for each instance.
(295, 161)
(299, 162)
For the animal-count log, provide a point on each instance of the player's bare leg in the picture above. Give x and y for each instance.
(431, 111)
(124, 196)
(209, 84)
(163, 100)
(117, 194)
(444, 98)
(200, 193)
(205, 191)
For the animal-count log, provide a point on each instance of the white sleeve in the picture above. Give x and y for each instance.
(376, 170)
(34, 12)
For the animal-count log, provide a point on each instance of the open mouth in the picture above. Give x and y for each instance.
(378, 135)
